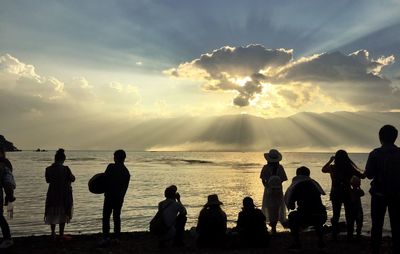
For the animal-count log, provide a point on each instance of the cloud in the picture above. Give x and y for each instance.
(355, 78)
(233, 69)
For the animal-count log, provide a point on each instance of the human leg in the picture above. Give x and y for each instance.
(359, 221)
(107, 210)
(394, 212)
(336, 207)
(61, 228)
(5, 229)
(53, 230)
(350, 215)
(117, 218)
(378, 210)
(294, 225)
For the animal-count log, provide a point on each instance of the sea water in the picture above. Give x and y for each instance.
(231, 175)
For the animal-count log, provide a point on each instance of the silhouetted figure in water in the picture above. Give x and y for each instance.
(117, 182)
(59, 200)
(211, 225)
(383, 167)
(174, 215)
(8, 184)
(341, 172)
(310, 211)
(272, 175)
(357, 214)
(251, 225)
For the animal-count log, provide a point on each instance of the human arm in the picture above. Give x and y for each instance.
(181, 209)
(71, 176)
(370, 167)
(327, 168)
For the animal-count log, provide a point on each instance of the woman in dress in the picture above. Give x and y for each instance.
(59, 201)
(342, 169)
(272, 175)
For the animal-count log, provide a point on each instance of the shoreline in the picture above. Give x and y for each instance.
(144, 242)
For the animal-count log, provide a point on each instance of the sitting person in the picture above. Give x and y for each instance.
(310, 210)
(211, 225)
(174, 215)
(251, 225)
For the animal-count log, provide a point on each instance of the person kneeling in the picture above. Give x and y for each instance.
(310, 211)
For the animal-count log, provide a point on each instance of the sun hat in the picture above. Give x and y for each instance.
(273, 156)
(213, 200)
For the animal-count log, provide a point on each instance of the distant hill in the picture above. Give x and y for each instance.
(8, 146)
(354, 131)
(303, 131)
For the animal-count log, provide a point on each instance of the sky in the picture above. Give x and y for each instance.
(65, 64)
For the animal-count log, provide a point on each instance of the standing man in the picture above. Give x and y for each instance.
(117, 182)
(382, 169)
(8, 184)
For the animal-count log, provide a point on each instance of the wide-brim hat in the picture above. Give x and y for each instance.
(213, 200)
(273, 156)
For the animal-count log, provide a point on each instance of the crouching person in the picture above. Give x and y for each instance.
(251, 226)
(174, 216)
(310, 211)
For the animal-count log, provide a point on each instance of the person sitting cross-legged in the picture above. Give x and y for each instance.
(310, 211)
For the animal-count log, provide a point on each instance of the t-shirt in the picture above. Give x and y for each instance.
(171, 209)
(308, 198)
(117, 182)
(268, 171)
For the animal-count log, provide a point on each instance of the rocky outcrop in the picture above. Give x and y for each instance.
(7, 145)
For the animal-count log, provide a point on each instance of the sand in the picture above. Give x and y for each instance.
(144, 242)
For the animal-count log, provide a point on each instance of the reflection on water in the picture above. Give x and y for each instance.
(197, 174)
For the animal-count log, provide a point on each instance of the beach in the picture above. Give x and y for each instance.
(144, 242)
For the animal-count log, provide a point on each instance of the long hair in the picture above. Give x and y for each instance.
(343, 162)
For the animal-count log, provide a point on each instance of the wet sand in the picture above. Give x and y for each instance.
(144, 242)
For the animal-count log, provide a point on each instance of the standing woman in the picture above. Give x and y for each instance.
(272, 175)
(341, 171)
(59, 202)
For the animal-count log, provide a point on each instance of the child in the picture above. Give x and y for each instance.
(356, 207)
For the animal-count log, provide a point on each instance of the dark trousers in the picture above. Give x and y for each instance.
(299, 220)
(336, 207)
(5, 229)
(378, 211)
(114, 207)
(356, 217)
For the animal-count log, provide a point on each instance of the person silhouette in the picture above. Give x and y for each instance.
(251, 225)
(174, 215)
(272, 175)
(357, 214)
(384, 190)
(59, 200)
(306, 193)
(8, 184)
(341, 169)
(211, 225)
(117, 181)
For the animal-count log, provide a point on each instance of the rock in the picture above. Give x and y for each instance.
(7, 145)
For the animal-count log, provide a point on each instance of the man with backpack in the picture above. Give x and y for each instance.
(383, 167)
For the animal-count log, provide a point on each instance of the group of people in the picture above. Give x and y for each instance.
(302, 198)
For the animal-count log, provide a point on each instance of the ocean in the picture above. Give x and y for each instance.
(231, 175)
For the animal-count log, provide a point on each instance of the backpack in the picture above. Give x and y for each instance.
(274, 183)
(391, 175)
(158, 226)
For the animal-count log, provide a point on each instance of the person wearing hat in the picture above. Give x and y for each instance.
(272, 175)
(211, 225)
(251, 225)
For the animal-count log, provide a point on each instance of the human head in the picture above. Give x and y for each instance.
(119, 156)
(355, 181)
(303, 171)
(212, 200)
(248, 203)
(273, 156)
(60, 155)
(170, 191)
(388, 134)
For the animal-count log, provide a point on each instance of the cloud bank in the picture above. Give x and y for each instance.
(355, 79)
